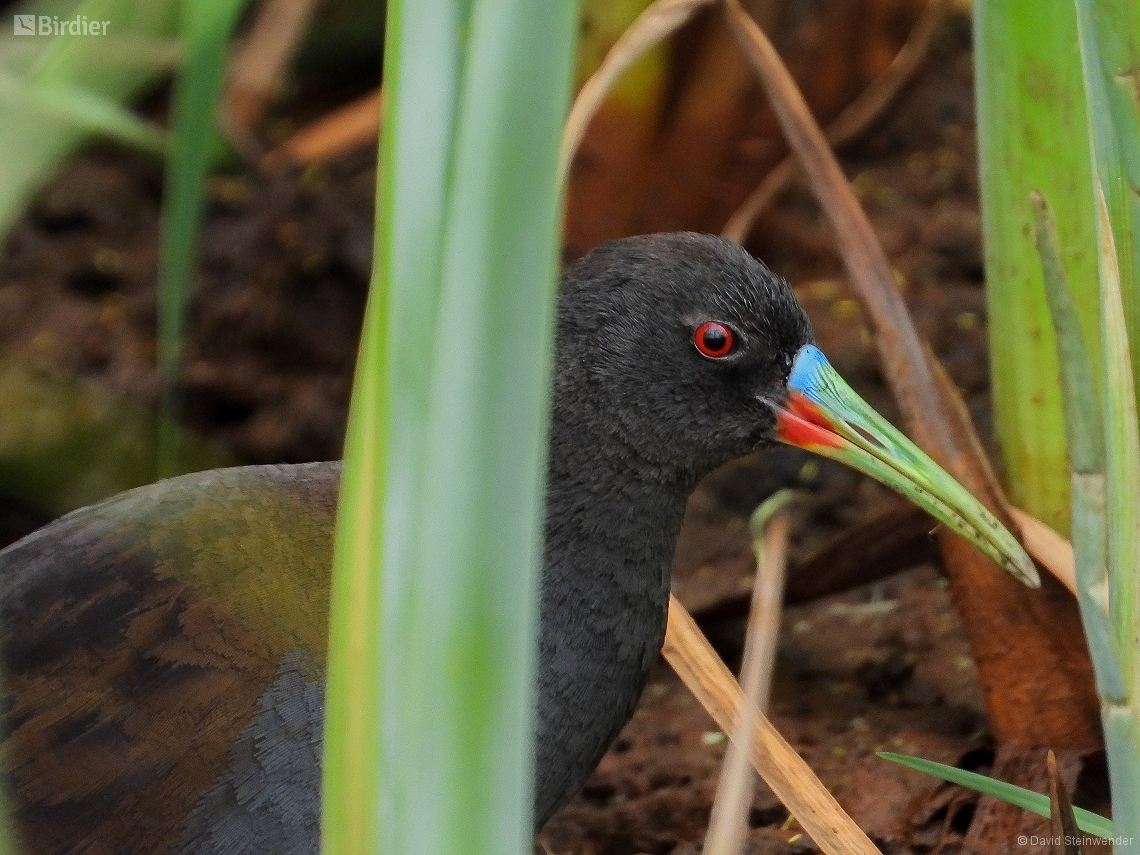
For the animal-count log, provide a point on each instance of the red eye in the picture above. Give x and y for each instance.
(714, 340)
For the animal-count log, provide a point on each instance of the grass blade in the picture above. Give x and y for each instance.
(1085, 431)
(1019, 796)
(81, 109)
(205, 28)
(46, 79)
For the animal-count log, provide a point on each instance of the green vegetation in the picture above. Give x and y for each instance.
(429, 736)
(1103, 438)
(1031, 135)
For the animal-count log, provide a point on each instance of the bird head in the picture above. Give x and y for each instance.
(684, 352)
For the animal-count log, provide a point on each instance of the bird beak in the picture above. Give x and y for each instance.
(824, 415)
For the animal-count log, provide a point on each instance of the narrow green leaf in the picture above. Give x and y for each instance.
(422, 68)
(84, 110)
(1018, 796)
(1109, 41)
(205, 28)
(1114, 142)
(110, 62)
(1122, 442)
(1109, 38)
(1122, 502)
(1078, 385)
(1085, 431)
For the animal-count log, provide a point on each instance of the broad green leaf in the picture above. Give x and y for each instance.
(1031, 135)
(429, 725)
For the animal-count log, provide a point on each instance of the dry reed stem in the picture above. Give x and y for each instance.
(345, 128)
(1046, 547)
(729, 818)
(790, 778)
(653, 25)
(852, 122)
(259, 60)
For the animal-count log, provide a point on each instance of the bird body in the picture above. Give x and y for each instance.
(165, 649)
(157, 643)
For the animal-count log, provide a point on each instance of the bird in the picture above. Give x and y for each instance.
(164, 649)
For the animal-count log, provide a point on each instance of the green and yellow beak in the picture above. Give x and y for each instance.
(824, 415)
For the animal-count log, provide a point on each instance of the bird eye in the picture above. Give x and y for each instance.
(714, 340)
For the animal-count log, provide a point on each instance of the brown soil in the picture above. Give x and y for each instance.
(269, 352)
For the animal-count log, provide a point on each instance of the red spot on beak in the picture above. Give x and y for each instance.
(804, 424)
(809, 410)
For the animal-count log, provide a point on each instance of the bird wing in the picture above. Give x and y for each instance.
(157, 644)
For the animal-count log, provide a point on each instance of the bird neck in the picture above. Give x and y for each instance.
(610, 534)
(612, 521)
(611, 526)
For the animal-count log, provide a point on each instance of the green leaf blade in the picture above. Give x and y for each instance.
(443, 485)
(1017, 796)
(1031, 135)
(205, 27)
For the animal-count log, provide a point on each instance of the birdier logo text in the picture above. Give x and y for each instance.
(53, 25)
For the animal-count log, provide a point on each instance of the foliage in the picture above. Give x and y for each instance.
(429, 735)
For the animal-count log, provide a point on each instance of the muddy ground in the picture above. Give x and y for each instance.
(276, 310)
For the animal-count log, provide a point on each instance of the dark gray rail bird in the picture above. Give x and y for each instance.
(164, 649)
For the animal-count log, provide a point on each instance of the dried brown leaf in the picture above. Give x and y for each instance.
(729, 818)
